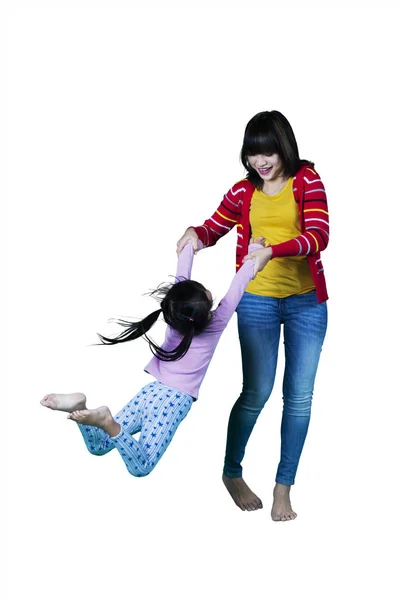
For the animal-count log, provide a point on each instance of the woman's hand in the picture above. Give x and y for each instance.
(189, 237)
(261, 258)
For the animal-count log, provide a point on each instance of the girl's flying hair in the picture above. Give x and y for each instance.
(185, 307)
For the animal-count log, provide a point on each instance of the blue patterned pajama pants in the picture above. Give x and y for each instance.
(156, 412)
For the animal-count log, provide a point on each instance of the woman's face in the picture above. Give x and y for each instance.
(268, 166)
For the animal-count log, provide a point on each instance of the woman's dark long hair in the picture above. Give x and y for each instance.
(270, 132)
(185, 307)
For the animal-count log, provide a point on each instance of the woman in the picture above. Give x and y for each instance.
(283, 200)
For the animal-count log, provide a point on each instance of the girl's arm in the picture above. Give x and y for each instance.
(316, 221)
(185, 262)
(246, 273)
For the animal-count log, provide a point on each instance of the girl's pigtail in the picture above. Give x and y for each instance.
(185, 307)
(132, 331)
(176, 353)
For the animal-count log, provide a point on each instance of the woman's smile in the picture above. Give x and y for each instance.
(268, 166)
(264, 170)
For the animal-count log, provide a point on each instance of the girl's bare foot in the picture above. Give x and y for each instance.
(64, 402)
(282, 508)
(242, 495)
(98, 417)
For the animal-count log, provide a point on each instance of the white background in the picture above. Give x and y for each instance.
(124, 125)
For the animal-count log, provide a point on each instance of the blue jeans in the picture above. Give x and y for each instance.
(304, 326)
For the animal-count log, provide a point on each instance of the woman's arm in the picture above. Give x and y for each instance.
(221, 222)
(315, 237)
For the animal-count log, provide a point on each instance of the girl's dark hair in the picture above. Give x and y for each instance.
(185, 307)
(270, 132)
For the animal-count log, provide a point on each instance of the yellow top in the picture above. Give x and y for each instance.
(277, 219)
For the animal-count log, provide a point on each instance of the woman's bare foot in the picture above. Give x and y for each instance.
(64, 402)
(98, 417)
(282, 508)
(242, 495)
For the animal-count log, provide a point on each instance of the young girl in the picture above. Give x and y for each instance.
(178, 366)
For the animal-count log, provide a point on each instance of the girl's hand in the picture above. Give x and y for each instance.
(260, 240)
(189, 237)
(261, 258)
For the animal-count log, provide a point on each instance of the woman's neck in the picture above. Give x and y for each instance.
(273, 187)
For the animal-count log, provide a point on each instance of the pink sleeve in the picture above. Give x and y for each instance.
(229, 303)
(185, 261)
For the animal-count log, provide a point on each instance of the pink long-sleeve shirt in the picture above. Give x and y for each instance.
(187, 373)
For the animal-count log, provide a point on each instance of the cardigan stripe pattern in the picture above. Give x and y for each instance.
(314, 216)
(309, 194)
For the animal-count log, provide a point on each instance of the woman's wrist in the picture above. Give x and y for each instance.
(268, 251)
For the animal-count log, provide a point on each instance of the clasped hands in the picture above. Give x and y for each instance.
(261, 256)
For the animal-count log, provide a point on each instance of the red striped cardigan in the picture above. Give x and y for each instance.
(309, 193)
